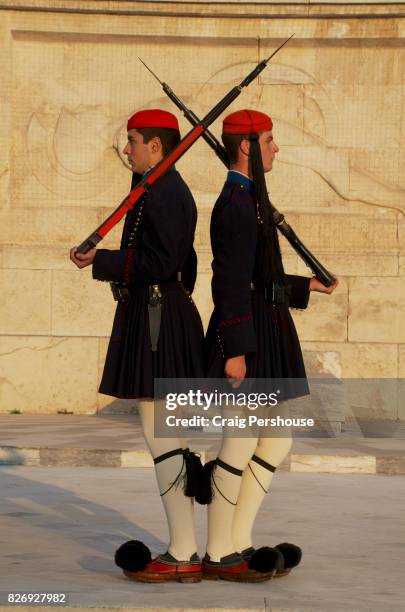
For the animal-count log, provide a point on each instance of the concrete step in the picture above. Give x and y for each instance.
(117, 441)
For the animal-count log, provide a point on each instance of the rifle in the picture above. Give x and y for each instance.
(183, 146)
(311, 261)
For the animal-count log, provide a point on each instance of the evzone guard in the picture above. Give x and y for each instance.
(157, 332)
(251, 335)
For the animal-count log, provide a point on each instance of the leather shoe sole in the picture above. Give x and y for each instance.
(240, 572)
(145, 576)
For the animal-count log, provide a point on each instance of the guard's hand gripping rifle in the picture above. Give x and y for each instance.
(311, 261)
(199, 128)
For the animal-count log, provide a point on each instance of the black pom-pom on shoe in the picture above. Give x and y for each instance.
(133, 556)
(292, 554)
(266, 559)
(205, 491)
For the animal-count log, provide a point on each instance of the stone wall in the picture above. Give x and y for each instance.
(70, 77)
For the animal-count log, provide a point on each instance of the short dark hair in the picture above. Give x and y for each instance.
(169, 137)
(232, 144)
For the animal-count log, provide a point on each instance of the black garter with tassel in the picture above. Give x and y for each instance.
(191, 477)
(206, 491)
(194, 474)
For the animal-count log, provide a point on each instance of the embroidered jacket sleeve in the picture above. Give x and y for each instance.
(298, 289)
(168, 224)
(233, 238)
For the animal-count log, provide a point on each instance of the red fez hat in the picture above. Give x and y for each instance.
(246, 121)
(153, 118)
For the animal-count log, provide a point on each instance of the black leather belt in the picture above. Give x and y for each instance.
(121, 293)
(273, 293)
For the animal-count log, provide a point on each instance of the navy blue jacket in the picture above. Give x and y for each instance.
(162, 226)
(233, 242)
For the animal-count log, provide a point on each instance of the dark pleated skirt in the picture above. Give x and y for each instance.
(131, 366)
(278, 355)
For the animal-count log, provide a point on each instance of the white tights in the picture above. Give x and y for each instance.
(230, 524)
(179, 509)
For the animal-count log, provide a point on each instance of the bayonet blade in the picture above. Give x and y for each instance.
(151, 71)
(277, 50)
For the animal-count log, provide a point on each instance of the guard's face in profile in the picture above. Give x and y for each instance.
(268, 149)
(139, 154)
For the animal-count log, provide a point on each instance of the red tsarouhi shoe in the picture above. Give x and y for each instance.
(235, 568)
(166, 568)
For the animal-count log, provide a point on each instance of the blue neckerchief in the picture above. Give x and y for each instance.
(236, 177)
